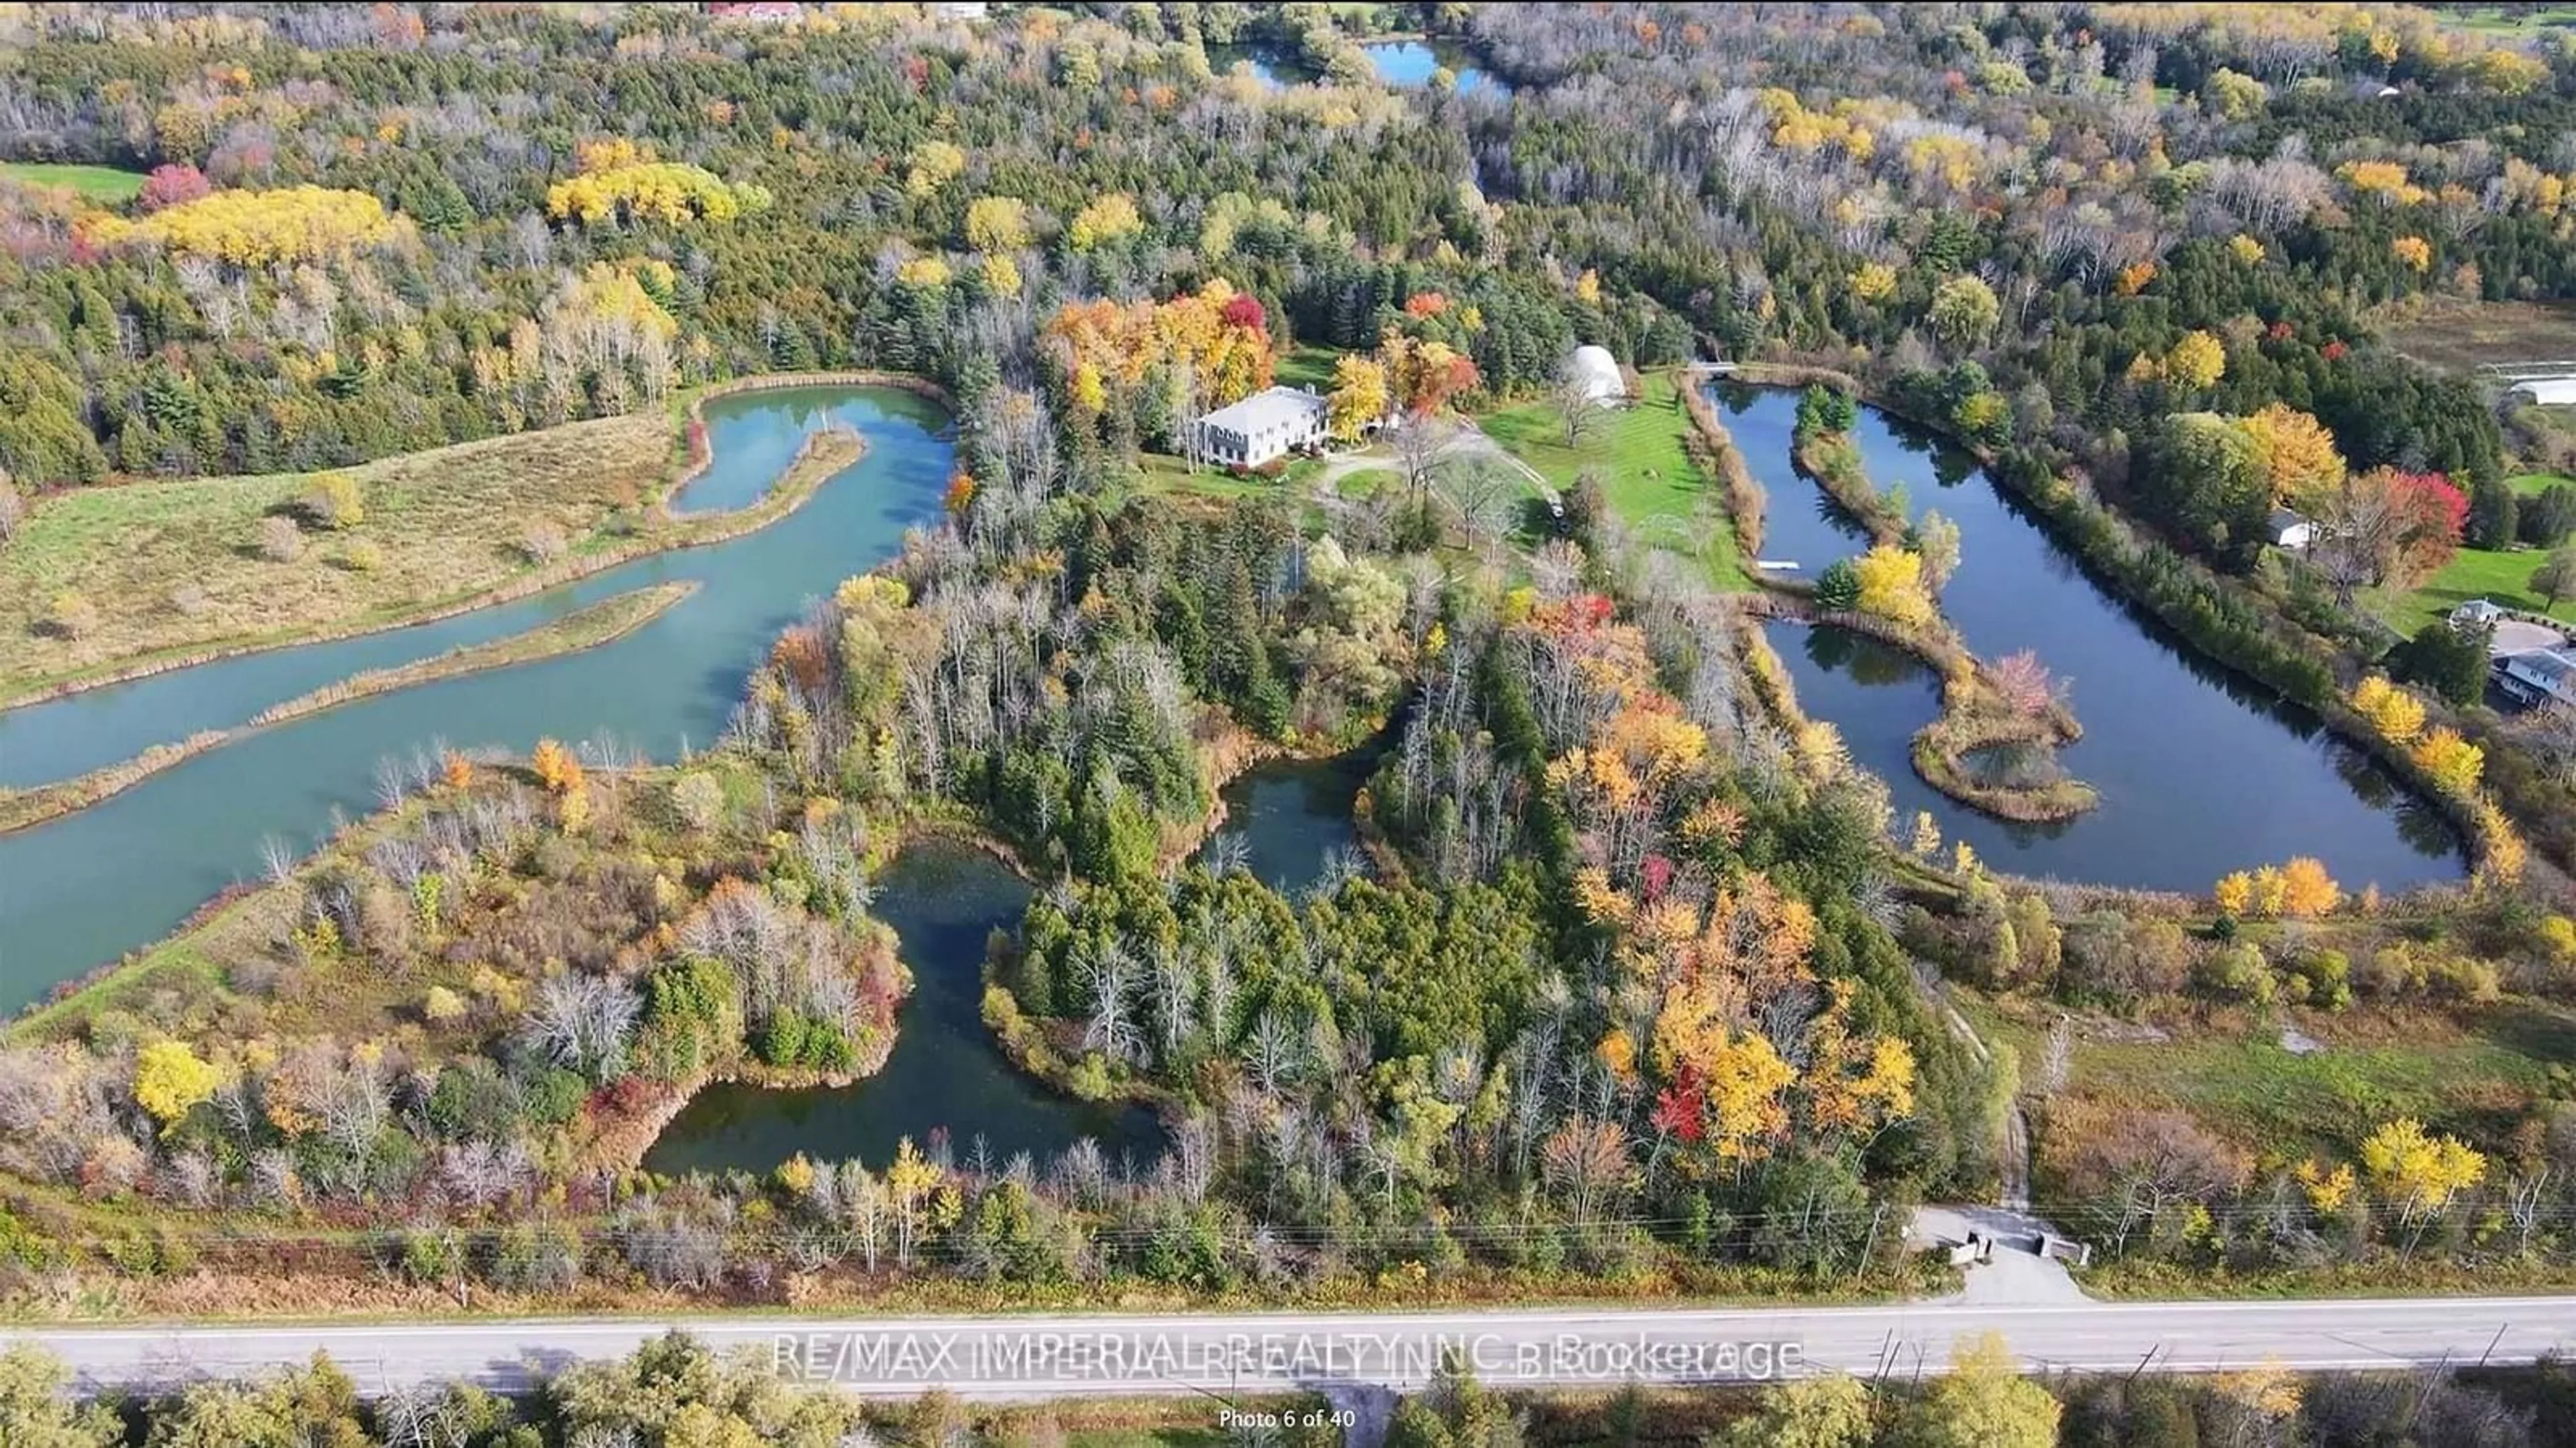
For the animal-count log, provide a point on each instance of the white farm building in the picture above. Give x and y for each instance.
(1269, 424)
(1597, 373)
(2549, 391)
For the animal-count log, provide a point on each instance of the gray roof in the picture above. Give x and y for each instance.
(2548, 666)
(1271, 407)
(2286, 518)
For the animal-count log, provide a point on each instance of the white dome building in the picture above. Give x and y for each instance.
(1597, 373)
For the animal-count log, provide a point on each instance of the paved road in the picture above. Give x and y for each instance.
(1044, 1357)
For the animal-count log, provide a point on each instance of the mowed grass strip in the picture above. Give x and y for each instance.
(174, 568)
(1644, 470)
(104, 184)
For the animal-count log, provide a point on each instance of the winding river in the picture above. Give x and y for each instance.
(2200, 770)
(86, 889)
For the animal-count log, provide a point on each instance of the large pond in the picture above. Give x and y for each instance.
(2201, 771)
(88, 888)
(944, 1076)
(1405, 63)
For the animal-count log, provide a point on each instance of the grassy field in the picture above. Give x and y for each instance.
(103, 184)
(2472, 1073)
(2504, 576)
(2496, 20)
(1307, 366)
(2459, 336)
(174, 568)
(1648, 477)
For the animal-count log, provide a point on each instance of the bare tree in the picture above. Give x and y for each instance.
(1420, 443)
(1569, 395)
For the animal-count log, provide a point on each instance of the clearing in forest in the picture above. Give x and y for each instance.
(1645, 471)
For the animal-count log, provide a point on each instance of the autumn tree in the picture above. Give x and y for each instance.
(2394, 714)
(169, 1078)
(1984, 1402)
(1964, 313)
(1891, 585)
(2296, 454)
(2451, 762)
(997, 224)
(39, 1410)
(2196, 362)
(2419, 1172)
(1360, 398)
(1829, 1410)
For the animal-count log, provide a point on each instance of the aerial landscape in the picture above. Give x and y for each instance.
(1455, 725)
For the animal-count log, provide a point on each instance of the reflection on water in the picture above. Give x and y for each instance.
(2200, 770)
(944, 1076)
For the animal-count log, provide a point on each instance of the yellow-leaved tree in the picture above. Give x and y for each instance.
(2295, 451)
(169, 1078)
(2453, 763)
(997, 223)
(2196, 361)
(1359, 399)
(2416, 1171)
(1891, 585)
(1111, 218)
(2394, 714)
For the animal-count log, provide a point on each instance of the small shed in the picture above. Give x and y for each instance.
(2476, 613)
(1597, 373)
(2290, 529)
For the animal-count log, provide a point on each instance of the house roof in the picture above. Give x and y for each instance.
(1268, 408)
(2284, 519)
(2546, 667)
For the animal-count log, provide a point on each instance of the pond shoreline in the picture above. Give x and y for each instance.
(687, 531)
(622, 613)
(1973, 714)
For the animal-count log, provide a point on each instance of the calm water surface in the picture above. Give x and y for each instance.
(944, 1076)
(86, 889)
(2201, 771)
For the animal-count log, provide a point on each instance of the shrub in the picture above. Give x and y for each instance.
(188, 600)
(443, 1005)
(71, 616)
(699, 801)
(2326, 976)
(543, 542)
(334, 502)
(363, 555)
(2236, 972)
(280, 541)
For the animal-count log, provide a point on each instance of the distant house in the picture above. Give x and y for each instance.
(1597, 372)
(768, 10)
(1265, 426)
(2537, 676)
(2368, 89)
(959, 12)
(2290, 529)
(2549, 391)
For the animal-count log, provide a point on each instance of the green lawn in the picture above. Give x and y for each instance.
(2504, 576)
(1643, 468)
(1306, 366)
(97, 183)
